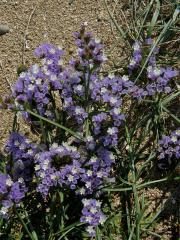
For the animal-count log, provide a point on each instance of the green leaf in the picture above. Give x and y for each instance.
(154, 18)
(171, 114)
(68, 229)
(32, 235)
(98, 234)
(147, 10)
(117, 189)
(76, 135)
(168, 99)
(152, 233)
(118, 27)
(132, 232)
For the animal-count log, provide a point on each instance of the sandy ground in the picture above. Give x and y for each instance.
(51, 21)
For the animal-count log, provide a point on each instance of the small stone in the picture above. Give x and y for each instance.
(29, 37)
(70, 50)
(3, 29)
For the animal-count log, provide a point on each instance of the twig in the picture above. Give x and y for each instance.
(7, 80)
(46, 38)
(26, 33)
(70, 2)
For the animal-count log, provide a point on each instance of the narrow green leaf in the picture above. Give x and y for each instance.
(32, 236)
(118, 27)
(147, 10)
(154, 218)
(152, 233)
(117, 189)
(76, 135)
(172, 115)
(168, 99)
(98, 234)
(132, 232)
(68, 229)
(154, 18)
(140, 185)
(155, 181)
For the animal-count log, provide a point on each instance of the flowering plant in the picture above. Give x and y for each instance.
(93, 130)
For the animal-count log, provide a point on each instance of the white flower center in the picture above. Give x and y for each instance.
(111, 131)
(89, 173)
(70, 178)
(9, 182)
(31, 87)
(52, 51)
(125, 78)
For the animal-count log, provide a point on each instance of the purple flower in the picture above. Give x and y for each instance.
(10, 193)
(169, 73)
(22, 151)
(169, 147)
(3, 183)
(17, 192)
(111, 139)
(92, 215)
(90, 50)
(137, 57)
(90, 143)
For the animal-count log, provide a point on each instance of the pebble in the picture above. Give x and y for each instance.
(3, 29)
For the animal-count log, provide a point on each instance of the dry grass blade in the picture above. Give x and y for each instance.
(6, 78)
(118, 27)
(25, 35)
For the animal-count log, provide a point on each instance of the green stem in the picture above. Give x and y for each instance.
(136, 198)
(156, 181)
(25, 226)
(132, 232)
(117, 189)
(137, 209)
(14, 122)
(139, 186)
(68, 229)
(87, 83)
(43, 132)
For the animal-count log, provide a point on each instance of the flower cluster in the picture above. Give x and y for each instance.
(33, 88)
(92, 215)
(109, 92)
(21, 152)
(48, 164)
(152, 59)
(11, 192)
(137, 56)
(169, 146)
(79, 88)
(19, 172)
(80, 73)
(90, 50)
(159, 76)
(83, 175)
